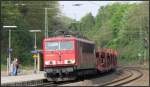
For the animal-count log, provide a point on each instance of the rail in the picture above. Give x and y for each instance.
(127, 79)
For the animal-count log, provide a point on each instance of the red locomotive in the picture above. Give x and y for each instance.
(67, 58)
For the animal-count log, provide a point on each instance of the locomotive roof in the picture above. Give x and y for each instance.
(68, 38)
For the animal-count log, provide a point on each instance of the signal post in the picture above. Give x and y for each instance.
(35, 46)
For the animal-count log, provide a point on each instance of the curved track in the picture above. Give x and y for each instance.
(133, 74)
(130, 74)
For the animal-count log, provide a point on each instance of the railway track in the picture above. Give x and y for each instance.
(46, 84)
(49, 83)
(129, 74)
(133, 74)
(61, 83)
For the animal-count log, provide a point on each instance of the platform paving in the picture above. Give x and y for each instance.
(22, 78)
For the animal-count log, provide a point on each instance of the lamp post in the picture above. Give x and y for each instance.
(9, 49)
(46, 23)
(35, 46)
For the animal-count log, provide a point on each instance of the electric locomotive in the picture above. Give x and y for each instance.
(66, 58)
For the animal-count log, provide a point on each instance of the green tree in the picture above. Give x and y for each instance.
(86, 24)
(27, 15)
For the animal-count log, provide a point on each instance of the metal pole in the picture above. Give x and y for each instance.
(9, 57)
(7, 66)
(35, 46)
(46, 24)
(38, 61)
(9, 38)
(35, 50)
(9, 49)
(141, 39)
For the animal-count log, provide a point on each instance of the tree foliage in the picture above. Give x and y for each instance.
(27, 15)
(123, 27)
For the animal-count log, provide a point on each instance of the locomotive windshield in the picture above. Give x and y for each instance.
(52, 46)
(66, 45)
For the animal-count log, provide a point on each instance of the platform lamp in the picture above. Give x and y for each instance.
(35, 46)
(9, 49)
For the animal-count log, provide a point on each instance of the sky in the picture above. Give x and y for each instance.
(77, 12)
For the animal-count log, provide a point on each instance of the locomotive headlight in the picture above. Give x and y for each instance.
(69, 61)
(50, 62)
(65, 61)
(47, 62)
(54, 62)
(73, 61)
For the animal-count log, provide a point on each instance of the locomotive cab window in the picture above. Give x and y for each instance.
(52, 46)
(67, 45)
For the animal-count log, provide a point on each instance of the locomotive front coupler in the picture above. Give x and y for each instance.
(60, 73)
(54, 73)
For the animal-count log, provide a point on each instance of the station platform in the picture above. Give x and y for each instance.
(22, 78)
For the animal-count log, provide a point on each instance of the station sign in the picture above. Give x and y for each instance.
(34, 51)
(9, 49)
(34, 56)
